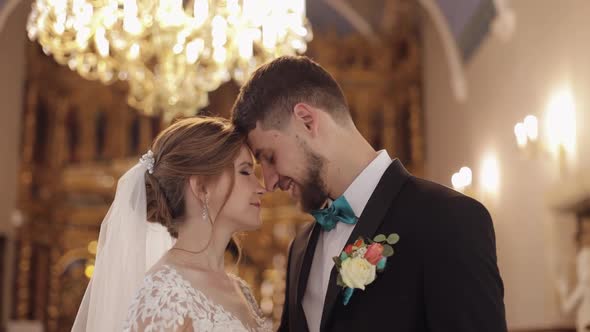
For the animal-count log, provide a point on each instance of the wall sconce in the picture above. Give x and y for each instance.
(488, 181)
(527, 135)
(561, 128)
(560, 131)
(462, 180)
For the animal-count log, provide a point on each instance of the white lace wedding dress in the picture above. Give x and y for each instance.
(166, 300)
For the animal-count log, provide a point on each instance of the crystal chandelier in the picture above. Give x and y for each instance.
(171, 52)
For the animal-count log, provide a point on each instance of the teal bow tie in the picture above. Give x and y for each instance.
(338, 211)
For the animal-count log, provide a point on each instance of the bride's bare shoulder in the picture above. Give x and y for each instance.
(162, 263)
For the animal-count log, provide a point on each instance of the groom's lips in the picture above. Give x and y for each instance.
(285, 183)
(291, 189)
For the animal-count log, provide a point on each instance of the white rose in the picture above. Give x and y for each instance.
(357, 272)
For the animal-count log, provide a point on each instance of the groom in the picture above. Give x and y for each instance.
(443, 275)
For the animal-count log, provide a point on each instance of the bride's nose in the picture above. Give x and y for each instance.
(261, 190)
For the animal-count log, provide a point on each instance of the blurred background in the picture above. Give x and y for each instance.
(489, 97)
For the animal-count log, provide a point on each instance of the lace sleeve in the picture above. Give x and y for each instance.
(247, 291)
(264, 323)
(161, 304)
(167, 302)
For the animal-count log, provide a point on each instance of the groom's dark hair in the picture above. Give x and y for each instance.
(274, 89)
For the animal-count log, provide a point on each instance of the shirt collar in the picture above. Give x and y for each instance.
(361, 189)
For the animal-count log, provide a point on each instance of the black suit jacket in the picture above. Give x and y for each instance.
(442, 277)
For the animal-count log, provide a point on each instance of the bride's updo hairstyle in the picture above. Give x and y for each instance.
(200, 146)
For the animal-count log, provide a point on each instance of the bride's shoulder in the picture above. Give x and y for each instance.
(162, 276)
(160, 284)
(163, 270)
(164, 302)
(167, 281)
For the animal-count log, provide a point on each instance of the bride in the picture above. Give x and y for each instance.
(174, 215)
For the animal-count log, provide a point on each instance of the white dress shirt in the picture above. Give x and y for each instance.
(331, 243)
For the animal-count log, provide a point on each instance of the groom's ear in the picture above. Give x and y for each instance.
(307, 116)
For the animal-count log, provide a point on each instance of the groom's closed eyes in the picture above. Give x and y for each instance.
(263, 155)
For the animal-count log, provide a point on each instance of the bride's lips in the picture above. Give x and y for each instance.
(255, 204)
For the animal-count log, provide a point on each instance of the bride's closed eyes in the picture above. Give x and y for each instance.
(247, 168)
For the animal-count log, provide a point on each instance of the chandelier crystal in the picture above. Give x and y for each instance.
(171, 52)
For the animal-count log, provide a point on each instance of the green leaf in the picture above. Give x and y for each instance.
(339, 281)
(392, 238)
(380, 238)
(387, 250)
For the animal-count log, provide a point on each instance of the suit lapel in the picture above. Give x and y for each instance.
(387, 189)
(303, 251)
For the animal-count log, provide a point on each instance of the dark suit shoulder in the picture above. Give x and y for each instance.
(448, 219)
(431, 190)
(440, 214)
(454, 236)
(443, 202)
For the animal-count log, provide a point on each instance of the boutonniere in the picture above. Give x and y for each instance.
(360, 262)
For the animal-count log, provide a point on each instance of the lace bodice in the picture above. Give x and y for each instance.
(166, 301)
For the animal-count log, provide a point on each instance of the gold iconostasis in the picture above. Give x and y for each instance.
(79, 136)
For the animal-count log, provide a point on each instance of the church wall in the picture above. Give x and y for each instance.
(506, 81)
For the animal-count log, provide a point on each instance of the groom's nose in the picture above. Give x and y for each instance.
(271, 178)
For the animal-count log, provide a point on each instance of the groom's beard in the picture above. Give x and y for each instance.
(313, 189)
